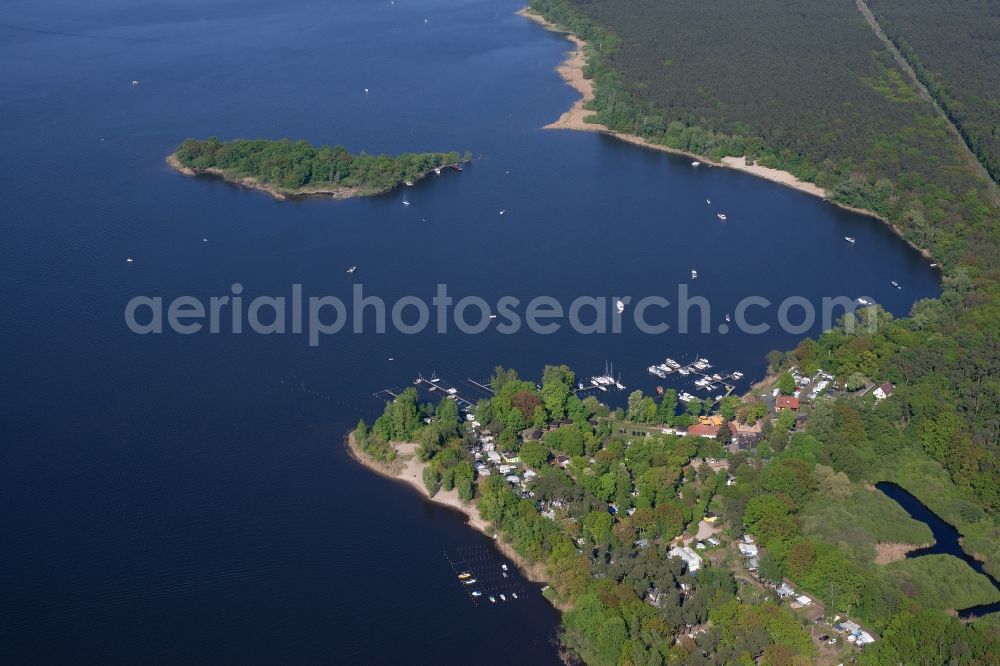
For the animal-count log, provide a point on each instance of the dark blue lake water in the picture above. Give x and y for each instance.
(187, 498)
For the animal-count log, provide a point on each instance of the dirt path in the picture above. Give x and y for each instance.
(904, 64)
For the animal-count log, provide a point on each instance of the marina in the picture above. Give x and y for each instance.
(700, 367)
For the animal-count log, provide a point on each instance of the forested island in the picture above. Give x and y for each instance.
(296, 168)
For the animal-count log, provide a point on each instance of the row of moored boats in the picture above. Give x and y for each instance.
(467, 578)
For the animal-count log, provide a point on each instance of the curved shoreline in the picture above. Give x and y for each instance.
(408, 469)
(571, 70)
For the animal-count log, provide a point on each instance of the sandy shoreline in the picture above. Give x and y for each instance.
(571, 70)
(408, 469)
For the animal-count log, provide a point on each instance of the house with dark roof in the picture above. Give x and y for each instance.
(884, 391)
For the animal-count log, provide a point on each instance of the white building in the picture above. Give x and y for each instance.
(691, 558)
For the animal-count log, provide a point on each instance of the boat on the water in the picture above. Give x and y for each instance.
(464, 574)
(469, 582)
(493, 599)
(503, 598)
(405, 202)
(477, 593)
(896, 285)
(737, 375)
(722, 216)
(696, 163)
(849, 239)
(864, 301)
(352, 269)
(514, 594)
(620, 306)
(694, 274)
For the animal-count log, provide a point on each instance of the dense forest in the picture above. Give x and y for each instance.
(954, 48)
(298, 166)
(606, 504)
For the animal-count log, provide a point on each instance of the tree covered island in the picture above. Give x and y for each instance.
(297, 168)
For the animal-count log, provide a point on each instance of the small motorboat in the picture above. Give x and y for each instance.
(722, 216)
(503, 210)
(933, 265)
(849, 239)
(366, 91)
(694, 275)
(514, 594)
(708, 201)
(129, 260)
(134, 82)
(493, 316)
(728, 318)
(408, 183)
(464, 574)
(493, 599)
(505, 573)
(477, 593)
(469, 582)
(437, 170)
(503, 598)
(864, 301)
(405, 202)
(620, 306)
(696, 163)
(896, 285)
(352, 269)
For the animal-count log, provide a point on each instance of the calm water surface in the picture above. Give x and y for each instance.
(187, 498)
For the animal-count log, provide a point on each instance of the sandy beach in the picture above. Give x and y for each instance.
(571, 70)
(408, 469)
